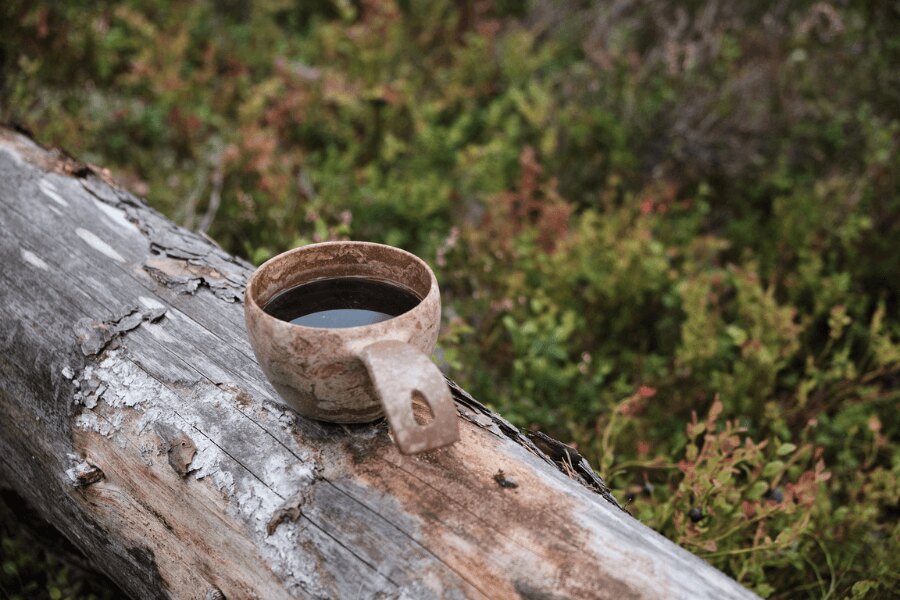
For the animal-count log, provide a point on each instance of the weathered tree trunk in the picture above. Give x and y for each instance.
(134, 417)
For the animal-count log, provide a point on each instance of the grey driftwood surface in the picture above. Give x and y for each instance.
(134, 418)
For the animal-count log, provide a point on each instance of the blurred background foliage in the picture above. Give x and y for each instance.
(666, 231)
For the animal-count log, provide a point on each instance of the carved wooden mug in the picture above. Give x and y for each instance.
(355, 374)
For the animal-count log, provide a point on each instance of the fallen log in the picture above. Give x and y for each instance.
(134, 418)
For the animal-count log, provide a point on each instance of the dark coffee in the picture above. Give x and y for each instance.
(341, 302)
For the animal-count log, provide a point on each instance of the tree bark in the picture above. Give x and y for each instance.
(134, 418)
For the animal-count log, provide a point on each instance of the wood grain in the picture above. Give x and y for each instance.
(134, 417)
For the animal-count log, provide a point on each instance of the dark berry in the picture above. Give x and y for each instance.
(776, 495)
(695, 514)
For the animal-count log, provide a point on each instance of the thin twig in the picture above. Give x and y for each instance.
(188, 212)
(215, 197)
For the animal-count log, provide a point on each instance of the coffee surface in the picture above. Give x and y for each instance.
(341, 302)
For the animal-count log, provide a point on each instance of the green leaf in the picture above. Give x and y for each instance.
(773, 468)
(757, 490)
(861, 588)
(737, 335)
(785, 449)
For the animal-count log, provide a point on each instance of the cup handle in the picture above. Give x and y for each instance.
(399, 370)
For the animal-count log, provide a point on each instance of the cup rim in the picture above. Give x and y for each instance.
(250, 292)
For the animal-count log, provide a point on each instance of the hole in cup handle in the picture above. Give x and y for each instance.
(399, 371)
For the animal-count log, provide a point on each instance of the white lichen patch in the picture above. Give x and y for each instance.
(150, 302)
(49, 190)
(121, 401)
(99, 245)
(206, 460)
(34, 260)
(223, 480)
(293, 566)
(115, 218)
(284, 471)
(91, 422)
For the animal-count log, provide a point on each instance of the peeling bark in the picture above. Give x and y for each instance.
(181, 453)
(84, 474)
(134, 417)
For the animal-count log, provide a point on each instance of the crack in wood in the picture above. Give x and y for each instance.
(181, 260)
(563, 457)
(94, 337)
(374, 513)
(236, 461)
(571, 462)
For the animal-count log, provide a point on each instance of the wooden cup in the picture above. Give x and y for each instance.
(355, 374)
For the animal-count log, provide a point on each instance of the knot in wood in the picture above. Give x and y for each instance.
(84, 474)
(180, 453)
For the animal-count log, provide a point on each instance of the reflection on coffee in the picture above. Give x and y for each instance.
(341, 302)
